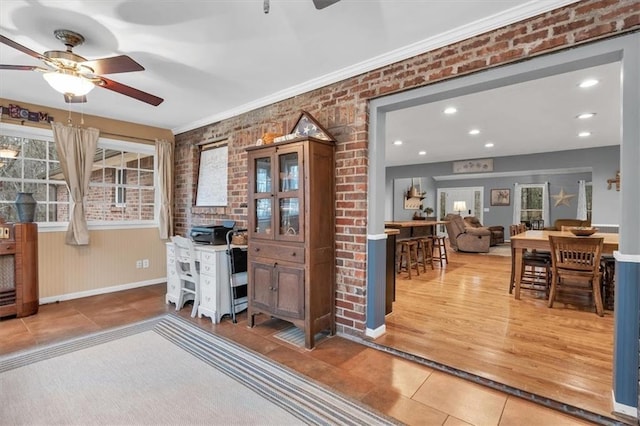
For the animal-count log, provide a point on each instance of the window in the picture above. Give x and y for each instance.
(532, 206)
(121, 191)
(121, 188)
(34, 168)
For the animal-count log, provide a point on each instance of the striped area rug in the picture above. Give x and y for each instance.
(165, 371)
(295, 336)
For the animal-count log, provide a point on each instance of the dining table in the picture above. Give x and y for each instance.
(539, 240)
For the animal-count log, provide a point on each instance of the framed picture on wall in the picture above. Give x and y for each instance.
(500, 197)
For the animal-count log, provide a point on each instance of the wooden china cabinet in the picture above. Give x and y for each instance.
(18, 269)
(291, 257)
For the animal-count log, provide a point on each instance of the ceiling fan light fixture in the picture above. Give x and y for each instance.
(68, 83)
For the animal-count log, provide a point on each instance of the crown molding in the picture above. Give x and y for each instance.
(515, 14)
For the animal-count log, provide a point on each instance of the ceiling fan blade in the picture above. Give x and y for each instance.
(113, 65)
(70, 99)
(129, 91)
(321, 4)
(22, 68)
(21, 48)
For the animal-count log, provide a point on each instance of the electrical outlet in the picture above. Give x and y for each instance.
(138, 264)
(145, 263)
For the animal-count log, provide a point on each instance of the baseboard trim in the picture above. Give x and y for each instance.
(102, 290)
(622, 408)
(377, 332)
(628, 258)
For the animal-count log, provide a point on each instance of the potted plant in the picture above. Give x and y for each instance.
(429, 212)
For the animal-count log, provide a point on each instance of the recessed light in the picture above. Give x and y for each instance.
(488, 145)
(422, 153)
(474, 132)
(398, 142)
(588, 82)
(586, 115)
(450, 110)
(584, 134)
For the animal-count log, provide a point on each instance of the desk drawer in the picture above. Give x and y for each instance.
(283, 252)
(7, 248)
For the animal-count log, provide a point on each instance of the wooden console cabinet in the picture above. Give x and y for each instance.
(18, 269)
(291, 257)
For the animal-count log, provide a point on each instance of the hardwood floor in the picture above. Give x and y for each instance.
(463, 316)
(408, 391)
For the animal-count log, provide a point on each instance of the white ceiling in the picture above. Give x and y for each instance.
(530, 117)
(214, 59)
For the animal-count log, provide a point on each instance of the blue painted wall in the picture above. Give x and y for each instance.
(603, 161)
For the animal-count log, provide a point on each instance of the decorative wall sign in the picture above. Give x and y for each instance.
(500, 197)
(473, 166)
(15, 111)
(413, 203)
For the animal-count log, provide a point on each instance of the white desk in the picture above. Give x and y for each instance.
(215, 292)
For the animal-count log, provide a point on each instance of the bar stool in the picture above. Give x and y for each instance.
(408, 256)
(425, 252)
(441, 247)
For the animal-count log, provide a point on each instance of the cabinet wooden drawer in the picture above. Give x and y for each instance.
(281, 252)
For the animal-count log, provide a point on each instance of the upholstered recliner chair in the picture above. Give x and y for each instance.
(497, 232)
(462, 238)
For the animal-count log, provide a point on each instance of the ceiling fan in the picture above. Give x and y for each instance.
(319, 4)
(74, 76)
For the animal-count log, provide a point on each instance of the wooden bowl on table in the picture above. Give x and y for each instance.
(581, 231)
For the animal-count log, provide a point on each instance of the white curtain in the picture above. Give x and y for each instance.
(582, 200)
(545, 204)
(76, 149)
(164, 161)
(517, 203)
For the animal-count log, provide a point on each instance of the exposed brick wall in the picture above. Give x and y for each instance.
(343, 107)
(99, 198)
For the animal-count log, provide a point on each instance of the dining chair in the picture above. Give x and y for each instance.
(536, 266)
(188, 273)
(575, 266)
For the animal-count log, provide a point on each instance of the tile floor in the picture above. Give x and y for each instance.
(410, 392)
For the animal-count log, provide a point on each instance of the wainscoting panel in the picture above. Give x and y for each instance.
(108, 261)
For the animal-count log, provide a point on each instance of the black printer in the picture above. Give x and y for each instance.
(211, 234)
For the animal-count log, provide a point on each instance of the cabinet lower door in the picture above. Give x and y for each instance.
(261, 291)
(289, 292)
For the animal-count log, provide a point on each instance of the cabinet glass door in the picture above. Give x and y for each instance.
(261, 195)
(263, 216)
(289, 197)
(289, 216)
(288, 172)
(263, 175)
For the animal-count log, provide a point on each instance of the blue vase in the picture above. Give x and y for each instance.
(26, 207)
